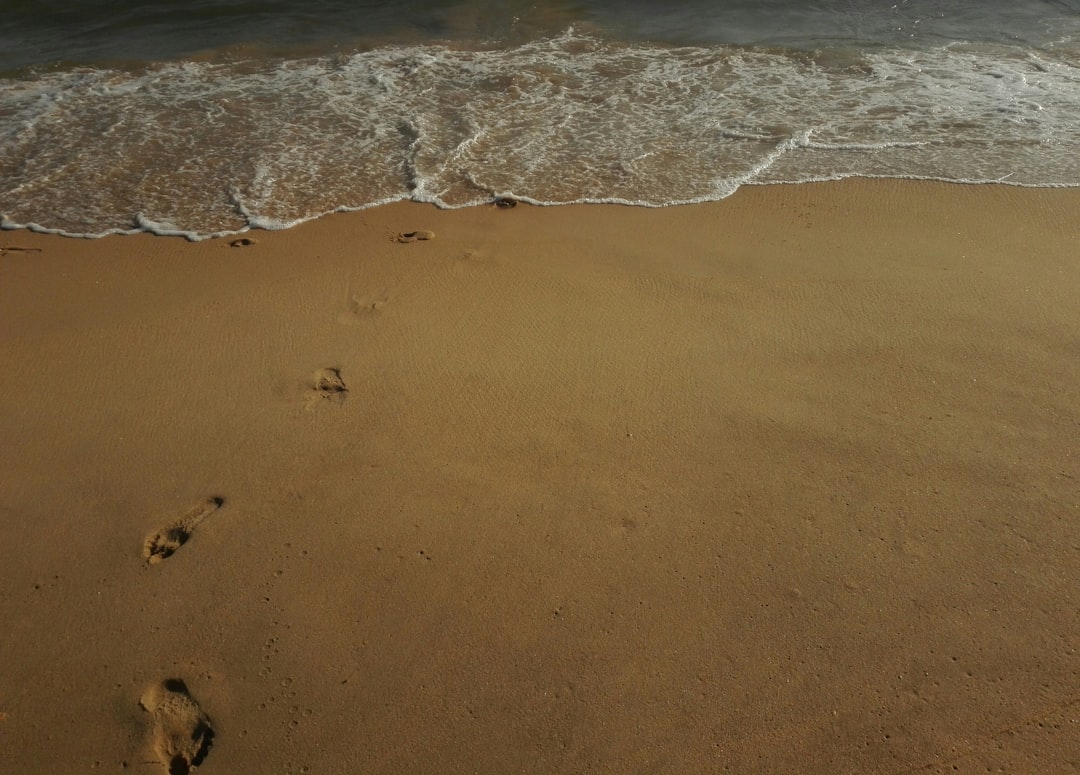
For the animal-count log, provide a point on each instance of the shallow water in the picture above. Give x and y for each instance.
(80, 31)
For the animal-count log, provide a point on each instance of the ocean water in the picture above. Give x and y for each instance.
(212, 117)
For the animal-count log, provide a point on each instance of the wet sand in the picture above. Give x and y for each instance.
(782, 483)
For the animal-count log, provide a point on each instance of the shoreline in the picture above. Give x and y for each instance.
(779, 483)
(189, 236)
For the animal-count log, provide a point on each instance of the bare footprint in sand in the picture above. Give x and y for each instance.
(5, 249)
(325, 385)
(182, 733)
(413, 236)
(362, 308)
(162, 544)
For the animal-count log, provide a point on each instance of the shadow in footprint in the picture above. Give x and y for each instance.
(326, 385)
(182, 734)
(416, 236)
(162, 544)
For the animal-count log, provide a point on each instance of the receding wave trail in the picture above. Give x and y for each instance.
(207, 148)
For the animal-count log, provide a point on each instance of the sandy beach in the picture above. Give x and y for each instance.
(785, 483)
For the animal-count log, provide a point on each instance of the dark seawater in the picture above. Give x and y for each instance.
(212, 117)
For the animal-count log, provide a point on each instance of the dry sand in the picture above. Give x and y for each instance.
(786, 483)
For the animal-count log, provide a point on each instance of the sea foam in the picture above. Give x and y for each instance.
(208, 148)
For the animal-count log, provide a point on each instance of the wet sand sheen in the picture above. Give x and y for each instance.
(783, 483)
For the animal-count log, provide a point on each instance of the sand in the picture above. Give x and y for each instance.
(785, 483)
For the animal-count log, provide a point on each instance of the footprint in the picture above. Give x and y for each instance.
(413, 236)
(172, 536)
(361, 307)
(182, 732)
(326, 385)
(5, 249)
(474, 255)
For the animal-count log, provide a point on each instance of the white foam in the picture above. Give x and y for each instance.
(210, 149)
